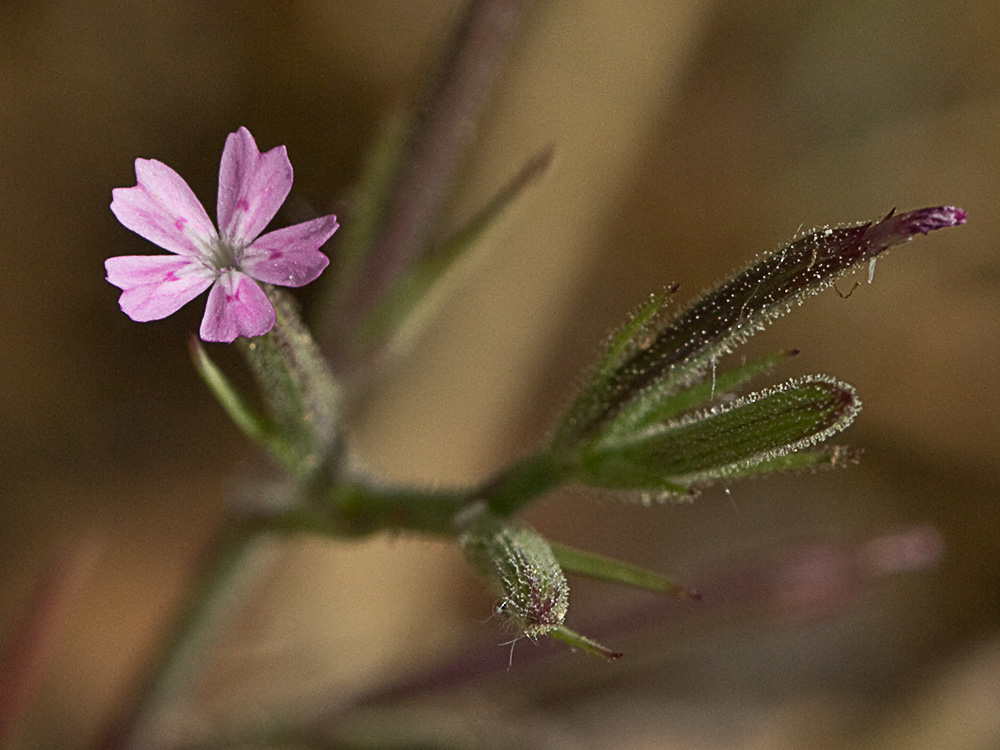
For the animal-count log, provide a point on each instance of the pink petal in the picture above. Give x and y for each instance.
(164, 210)
(290, 256)
(236, 307)
(155, 286)
(252, 187)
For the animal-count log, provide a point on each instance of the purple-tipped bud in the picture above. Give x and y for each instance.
(679, 353)
(894, 229)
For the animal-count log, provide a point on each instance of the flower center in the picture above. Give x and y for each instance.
(222, 255)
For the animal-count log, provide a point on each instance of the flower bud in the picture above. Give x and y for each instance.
(520, 567)
(731, 439)
(646, 357)
(650, 419)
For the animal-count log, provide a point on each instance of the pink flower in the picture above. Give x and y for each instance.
(164, 210)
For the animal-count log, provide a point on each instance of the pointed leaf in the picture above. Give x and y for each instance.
(252, 424)
(822, 457)
(425, 179)
(608, 569)
(653, 406)
(630, 338)
(441, 259)
(404, 304)
(581, 642)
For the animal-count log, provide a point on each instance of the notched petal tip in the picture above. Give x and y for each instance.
(290, 256)
(252, 187)
(162, 208)
(155, 286)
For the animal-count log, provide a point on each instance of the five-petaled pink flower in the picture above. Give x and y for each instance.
(164, 210)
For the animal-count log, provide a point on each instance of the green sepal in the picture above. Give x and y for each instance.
(620, 346)
(815, 459)
(674, 356)
(301, 395)
(629, 337)
(588, 645)
(747, 435)
(653, 406)
(608, 569)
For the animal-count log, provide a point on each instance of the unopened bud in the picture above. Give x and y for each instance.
(520, 567)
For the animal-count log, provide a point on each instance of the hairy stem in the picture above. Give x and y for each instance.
(359, 506)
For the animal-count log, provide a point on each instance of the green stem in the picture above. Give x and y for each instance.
(516, 486)
(358, 506)
(361, 507)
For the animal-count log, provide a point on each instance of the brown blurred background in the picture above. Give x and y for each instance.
(689, 136)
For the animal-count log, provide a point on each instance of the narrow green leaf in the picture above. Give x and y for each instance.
(814, 459)
(653, 406)
(424, 180)
(252, 424)
(635, 334)
(581, 642)
(632, 335)
(608, 569)
(725, 440)
(443, 257)
(406, 306)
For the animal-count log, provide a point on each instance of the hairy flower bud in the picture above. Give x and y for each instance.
(520, 567)
(646, 420)
(731, 439)
(644, 357)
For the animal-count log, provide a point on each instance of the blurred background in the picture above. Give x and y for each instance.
(689, 136)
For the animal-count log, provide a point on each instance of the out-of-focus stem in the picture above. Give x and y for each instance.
(234, 562)
(446, 123)
(243, 549)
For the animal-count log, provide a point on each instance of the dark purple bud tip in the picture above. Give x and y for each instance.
(926, 219)
(677, 354)
(894, 229)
